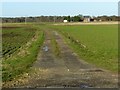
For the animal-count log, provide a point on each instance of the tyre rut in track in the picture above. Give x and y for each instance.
(70, 58)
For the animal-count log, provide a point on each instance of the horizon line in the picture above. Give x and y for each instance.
(56, 15)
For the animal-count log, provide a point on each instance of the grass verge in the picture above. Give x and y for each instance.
(88, 55)
(56, 49)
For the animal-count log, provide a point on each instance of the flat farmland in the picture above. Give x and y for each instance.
(20, 46)
(14, 37)
(64, 56)
(97, 44)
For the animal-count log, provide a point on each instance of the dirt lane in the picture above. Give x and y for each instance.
(87, 75)
(65, 71)
(70, 58)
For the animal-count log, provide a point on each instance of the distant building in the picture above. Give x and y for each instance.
(95, 20)
(86, 19)
(65, 21)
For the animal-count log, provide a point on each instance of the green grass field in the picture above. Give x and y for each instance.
(98, 43)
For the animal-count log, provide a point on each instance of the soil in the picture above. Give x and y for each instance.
(9, 28)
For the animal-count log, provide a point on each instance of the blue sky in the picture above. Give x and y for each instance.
(14, 9)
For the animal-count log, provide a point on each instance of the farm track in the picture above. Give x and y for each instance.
(64, 71)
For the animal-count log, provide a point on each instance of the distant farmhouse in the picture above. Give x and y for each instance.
(86, 19)
(79, 19)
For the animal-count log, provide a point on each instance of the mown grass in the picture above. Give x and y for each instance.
(97, 44)
(24, 58)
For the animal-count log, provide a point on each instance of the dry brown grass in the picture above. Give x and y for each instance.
(86, 23)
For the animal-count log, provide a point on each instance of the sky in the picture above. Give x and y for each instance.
(59, 0)
(19, 9)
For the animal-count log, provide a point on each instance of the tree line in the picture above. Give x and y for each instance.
(77, 18)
